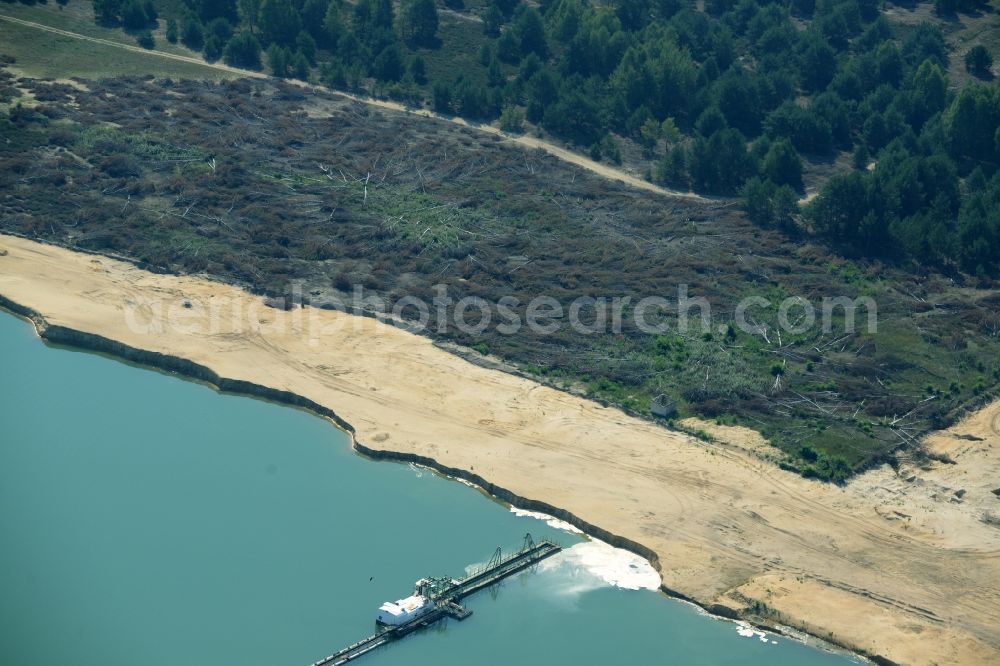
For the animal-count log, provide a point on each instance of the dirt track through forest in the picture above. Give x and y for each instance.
(602, 170)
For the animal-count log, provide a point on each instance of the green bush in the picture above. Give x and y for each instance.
(213, 48)
(978, 60)
(134, 16)
(192, 33)
(243, 50)
(145, 39)
(300, 66)
(280, 60)
(512, 120)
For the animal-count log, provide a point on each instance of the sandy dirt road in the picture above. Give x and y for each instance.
(903, 566)
(525, 141)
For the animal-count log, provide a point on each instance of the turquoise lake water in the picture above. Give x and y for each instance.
(146, 520)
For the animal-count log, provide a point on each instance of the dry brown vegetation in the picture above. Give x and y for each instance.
(266, 186)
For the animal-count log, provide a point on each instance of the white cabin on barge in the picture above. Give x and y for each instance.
(394, 613)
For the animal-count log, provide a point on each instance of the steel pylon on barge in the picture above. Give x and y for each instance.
(436, 598)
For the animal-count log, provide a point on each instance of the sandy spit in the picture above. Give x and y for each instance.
(903, 567)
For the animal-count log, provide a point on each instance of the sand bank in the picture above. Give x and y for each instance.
(904, 566)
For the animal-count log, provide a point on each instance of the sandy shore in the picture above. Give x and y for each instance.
(903, 566)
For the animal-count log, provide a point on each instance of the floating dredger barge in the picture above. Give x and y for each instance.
(437, 598)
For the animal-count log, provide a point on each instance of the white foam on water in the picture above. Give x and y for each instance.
(745, 630)
(552, 522)
(596, 564)
(474, 568)
(592, 563)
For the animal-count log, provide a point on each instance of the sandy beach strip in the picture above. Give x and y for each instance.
(901, 565)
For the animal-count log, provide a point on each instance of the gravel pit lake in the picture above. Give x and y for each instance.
(146, 519)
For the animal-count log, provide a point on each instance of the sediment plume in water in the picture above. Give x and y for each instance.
(592, 563)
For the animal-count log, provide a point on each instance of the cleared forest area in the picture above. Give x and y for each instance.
(306, 195)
